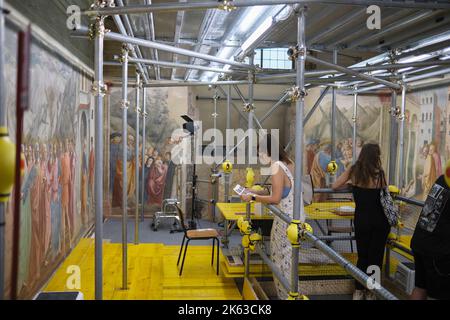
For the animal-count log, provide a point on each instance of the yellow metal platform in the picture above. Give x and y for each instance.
(404, 241)
(305, 269)
(152, 273)
(315, 211)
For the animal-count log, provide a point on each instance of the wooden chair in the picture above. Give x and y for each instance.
(197, 234)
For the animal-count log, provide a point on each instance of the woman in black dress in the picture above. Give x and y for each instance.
(371, 225)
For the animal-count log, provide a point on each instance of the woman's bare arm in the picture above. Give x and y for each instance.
(342, 180)
(263, 192)
(277, 189)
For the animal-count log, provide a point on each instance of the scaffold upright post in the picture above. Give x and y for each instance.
(300, 105)
(401, 174)
(136, 158)
(99, 90)
(355, 124)
(144, 129)
(124, 105)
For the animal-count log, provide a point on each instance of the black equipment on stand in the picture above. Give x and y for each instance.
(190, 127)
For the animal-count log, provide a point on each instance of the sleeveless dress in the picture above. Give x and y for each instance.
(280, 247)
(371, 229)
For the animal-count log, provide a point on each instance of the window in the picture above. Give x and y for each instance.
(273, 58)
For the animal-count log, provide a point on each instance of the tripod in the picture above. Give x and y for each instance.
(192, 224)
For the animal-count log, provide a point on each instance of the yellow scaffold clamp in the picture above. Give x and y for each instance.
(250, 240)
(296, 296)
(394, 190)
(296, 232)
(227, 166)
(7, 164)
(244, 226)
(293, 233)
(250, 178)
(332, 168)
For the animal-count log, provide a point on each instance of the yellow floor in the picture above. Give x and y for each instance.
(152, 273)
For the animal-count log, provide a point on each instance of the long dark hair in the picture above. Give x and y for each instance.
(267, 148)
(368, 166)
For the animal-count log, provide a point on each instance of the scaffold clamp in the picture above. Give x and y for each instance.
(332, 167)
(99, 88)
(7, 164)
(226, 5)
(97, 29)
(296, 93)
(248, 107)
(244, 226)
(249, 241)
(305, 228)
(293, 233)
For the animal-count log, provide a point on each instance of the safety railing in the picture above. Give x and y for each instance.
(409, 210)
(297, 232)
(410, 201)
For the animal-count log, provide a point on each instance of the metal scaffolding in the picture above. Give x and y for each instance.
(307, 235)
(144, 129)
(338, 73)
(181, 6)
(99, 90)
(136, 159)
(125, 104)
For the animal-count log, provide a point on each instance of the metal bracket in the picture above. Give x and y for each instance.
(296, 93)
(99, 4)
(226, 5)
(303, 229)
(97, 29)
(295, 52)
(393, 55)
(215, 177)
(125, 51)
(99, 88)
(225, 77)
(138, 110)
(124, 104)
(395, 112)
(249, 107)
